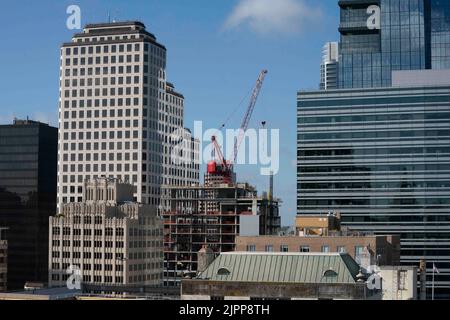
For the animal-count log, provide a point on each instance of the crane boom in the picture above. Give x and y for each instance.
(222, 168)
(248, 115)
(218, 151)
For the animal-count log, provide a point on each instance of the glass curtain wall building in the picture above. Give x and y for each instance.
(412, 35)
(381, 157)
(28, 163)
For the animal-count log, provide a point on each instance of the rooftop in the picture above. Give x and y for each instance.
(282, 268)
(42, 294)
(114, 24)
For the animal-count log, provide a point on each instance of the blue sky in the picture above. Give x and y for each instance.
(215, 51)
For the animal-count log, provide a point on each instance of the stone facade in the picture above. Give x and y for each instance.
(112, 240)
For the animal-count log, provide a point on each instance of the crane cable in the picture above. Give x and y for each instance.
(222, 126)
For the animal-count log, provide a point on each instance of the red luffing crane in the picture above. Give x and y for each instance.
(223, 167)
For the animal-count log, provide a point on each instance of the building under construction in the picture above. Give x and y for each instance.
(211, 216)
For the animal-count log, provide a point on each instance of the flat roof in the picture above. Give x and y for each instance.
(60, 293)
(114, 24)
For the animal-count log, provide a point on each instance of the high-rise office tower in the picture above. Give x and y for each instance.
(117, 112)
(111, 240)
(380, 157)
(329, 66)
(377, 150)
(400, 35)
(28, 160)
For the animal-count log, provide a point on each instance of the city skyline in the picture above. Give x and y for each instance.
(192, 66)
(140, 159)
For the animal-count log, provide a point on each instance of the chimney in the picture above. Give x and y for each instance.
(204, 258)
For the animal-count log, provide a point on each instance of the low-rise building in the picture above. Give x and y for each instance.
(323, 233)
(317, 225)
(297, 276)
(398, 282)
(365, 249)
(278, 276)
(110, 239)
(3, 260)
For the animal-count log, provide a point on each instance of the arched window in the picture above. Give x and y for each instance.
(223, 272)
(330, 273)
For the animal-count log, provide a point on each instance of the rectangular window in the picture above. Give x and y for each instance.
(305, 249)
(325, 249)
(341, 249)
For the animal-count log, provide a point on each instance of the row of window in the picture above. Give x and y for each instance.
(120, 113)
(102, 60)
(109, 255)
(106, 48)
(133, 232)
(305, 249)
(105, 92)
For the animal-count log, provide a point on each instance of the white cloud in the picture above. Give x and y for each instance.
(273, 16)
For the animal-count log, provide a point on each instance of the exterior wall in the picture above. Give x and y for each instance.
(187, 172)
(329, 66)
(398, 283)
(385, 246)
(422, 78)
(195, 297)
(316, 225)
(367, 57)
(116, 112)
(3, 264)
(28, 160)
(111, 244)
(380, 157)
(198, 290)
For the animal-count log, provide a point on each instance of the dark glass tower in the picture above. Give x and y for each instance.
(28, 162)
(413, 35)
(378, 148)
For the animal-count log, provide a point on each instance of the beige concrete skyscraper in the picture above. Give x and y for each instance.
(116, 112)
(111, 240)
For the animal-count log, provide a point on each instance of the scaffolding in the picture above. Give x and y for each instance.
(210, 216)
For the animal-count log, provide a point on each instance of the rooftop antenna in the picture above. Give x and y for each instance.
(109, 16)
(115, 19)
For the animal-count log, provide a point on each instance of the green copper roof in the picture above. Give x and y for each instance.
(282, 268)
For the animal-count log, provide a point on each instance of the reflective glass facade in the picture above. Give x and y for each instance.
(413, 34)
(440, 34)
(28, 158)
(382, 158)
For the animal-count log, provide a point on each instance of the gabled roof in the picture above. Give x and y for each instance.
(282, 268)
